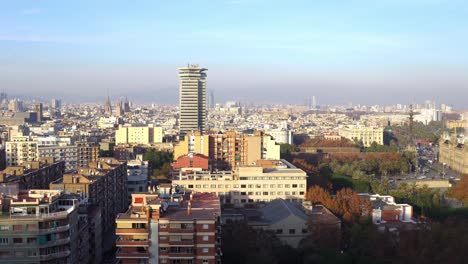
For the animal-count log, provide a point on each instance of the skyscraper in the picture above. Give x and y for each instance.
(192, 99)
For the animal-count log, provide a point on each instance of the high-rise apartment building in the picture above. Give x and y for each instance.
(192, 109)
(87, 152)
(33, 174)
(180, 230)
(41, 226)
(21, 149)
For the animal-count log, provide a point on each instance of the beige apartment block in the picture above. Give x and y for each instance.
(142, 135)
(367, 135)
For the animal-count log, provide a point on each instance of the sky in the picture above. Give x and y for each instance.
(263, 51)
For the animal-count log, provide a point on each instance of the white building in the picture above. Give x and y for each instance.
(281, 136)
(367, 135)
(138, 134)
(384, 209)
(137, 172)
(20, 149)
(248, 184)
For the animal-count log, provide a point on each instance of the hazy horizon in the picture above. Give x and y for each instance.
(360, 51)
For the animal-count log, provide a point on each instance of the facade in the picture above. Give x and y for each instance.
(138, 175)
(192, 116)
(41, 226)
(67, 153)
(229, 150)
(193, 142)
(21, 149)
(144, 135)
(281, 136)
(454, 153)
(33, 175)
(248, 184)
(158, 230)
(367, 135)
(87, 152)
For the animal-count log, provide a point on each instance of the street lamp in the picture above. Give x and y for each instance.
(443, 170)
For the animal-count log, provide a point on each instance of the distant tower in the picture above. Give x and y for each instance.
(39, 113)
(119, 108)
(126, 105)
(314, 103)
(411, 121)
(108, 107)
(192, 108)
(55, 104)
(212, 102)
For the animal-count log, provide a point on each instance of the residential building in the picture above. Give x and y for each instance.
(138, 175)
(67, 153)
(192, 142)
(170, 229)
(41, 226)
(33, 174)
(367, 135)
(269, 180)
(135, 134)
(87, 152)
(192, 115)
(453, 152)
(21, 149)
(281, 136)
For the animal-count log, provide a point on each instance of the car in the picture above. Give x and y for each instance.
(421, 177)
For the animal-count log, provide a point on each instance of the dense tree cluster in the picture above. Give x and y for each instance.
(323, 143)
(159, 162)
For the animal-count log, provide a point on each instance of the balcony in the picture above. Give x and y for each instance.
(54, 229)
(131, 243)
(132, 254)
(56, 242)
(61, 254)
(129, 231)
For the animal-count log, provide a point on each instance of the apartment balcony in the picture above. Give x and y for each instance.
(54, 229)
(131, 243)
(121, 254)
(57, 242)
(61, 254)
(130, 231)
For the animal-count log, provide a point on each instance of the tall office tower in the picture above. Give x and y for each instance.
(314, 103)
(212, 102)
(192, 99)
(55, 104)
(39, 112)
(126, 105)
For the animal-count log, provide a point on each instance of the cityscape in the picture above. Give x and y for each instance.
(267, 162)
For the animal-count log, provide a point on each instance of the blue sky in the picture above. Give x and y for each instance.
(364, 51)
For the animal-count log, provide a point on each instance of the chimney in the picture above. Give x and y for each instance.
(189, 208)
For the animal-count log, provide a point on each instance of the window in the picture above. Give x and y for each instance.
(3, 241)
(301, 193)
(163, 249)
(258, 186)
(162, 225)
(272, 185)
(243, 200)
(265, 185)
(205, 261)
(280, 185)
(265, 193)
(162, 237)
(205, 238)
(190, 186)
(17, 227)
(279, 231)
(205, 250)
(4, 228)
(272, 193)
(304, 231)
(213, 186)
(287, 186)
(280, 193)
(294, 185)
(243, 193)
(292, 231)
(250, 193)
(205, 226)
(17, 240)
(220, 186)
(243, 186)
(163, 260)
(287, 193)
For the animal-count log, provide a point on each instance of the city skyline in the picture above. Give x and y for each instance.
(362, 51)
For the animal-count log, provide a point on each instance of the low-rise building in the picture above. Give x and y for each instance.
(138, 134)
(386, 212)
(269, 180)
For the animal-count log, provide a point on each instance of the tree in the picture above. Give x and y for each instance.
(460, 190)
